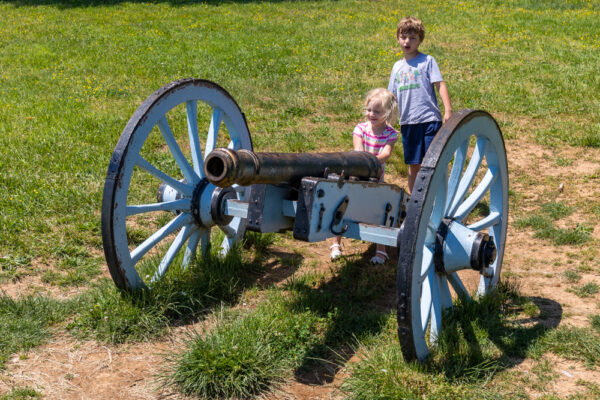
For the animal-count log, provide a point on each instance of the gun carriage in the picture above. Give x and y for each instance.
(214, 184)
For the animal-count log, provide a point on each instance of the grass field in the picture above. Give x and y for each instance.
(73, 72)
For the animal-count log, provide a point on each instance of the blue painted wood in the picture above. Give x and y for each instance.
(119, 213)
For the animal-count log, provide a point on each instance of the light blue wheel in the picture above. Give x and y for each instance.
(456, 222)
(162, 150)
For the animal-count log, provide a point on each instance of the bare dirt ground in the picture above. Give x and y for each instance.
(66, 368)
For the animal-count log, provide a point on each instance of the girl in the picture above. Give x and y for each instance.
(376, 136)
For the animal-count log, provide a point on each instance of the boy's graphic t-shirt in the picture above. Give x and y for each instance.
(412, 83)
(373, 143)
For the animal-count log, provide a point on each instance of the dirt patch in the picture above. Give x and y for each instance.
(68, 369)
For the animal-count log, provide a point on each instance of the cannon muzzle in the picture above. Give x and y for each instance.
(225, 167)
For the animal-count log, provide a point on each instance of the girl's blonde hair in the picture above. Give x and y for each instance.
(388, 103)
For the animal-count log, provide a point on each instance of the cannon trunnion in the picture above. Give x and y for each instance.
(190, 143)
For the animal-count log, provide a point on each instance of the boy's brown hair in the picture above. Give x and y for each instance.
(411, 25)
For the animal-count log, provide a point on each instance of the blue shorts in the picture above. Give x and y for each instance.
(416, 139)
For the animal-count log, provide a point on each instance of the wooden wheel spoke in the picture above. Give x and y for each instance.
(469, 175)
(427, 263)
(436, 315)
(442, 301)
(193, 134)
(475, 197)
(190, 249)
(426, 301)
(174, 183)
(176, 152)
(204, 241)
(156, 237)
(490, 220)
(167, 260)
(227, 230)
(213, 131)
(438, 209)
(174, 205)
(458, 286)
(460, 156)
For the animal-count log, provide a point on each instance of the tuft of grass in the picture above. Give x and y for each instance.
(313, 322)
(556, 210)
(382, 373)
(574, 236)
(25, 322)
(581, 344)
(479, 339)
(572, 276)
(116, 316)
(595, 321)
(259, 242)
(537, 222)
(545, 229)
(563, 161)
(587, 290)
(245, 354)
(596, 209)
(21, 394)
(560, 236)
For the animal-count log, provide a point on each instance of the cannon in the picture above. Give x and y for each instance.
(184, 170)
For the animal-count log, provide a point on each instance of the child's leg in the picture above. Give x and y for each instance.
(413, 170)
(336, 248)
(380, 256)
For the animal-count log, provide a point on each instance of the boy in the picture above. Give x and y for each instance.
(412, 81)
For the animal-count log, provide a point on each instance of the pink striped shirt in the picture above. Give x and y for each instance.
(373, 143)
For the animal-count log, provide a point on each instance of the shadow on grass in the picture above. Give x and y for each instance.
(491, 334)
(180, 298)
(104, 3)
(358, 300)
(480, 337)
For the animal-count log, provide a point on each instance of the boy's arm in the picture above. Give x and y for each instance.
(443, 91)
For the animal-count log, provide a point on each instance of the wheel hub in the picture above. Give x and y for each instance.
(483, 252)
(458, 247)
(207, 202)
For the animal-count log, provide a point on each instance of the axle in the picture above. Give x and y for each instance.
(225, 167)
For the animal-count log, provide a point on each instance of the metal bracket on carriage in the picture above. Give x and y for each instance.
(338, 217)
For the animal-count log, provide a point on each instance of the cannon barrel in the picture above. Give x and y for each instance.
(225, 167)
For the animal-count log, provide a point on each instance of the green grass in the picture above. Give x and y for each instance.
(572, 276)
(27, 322)
(107, 314)
(582, 344)
(314, 323)
(21, 394)
(544, 227)
(245, 355)
(72, 72)
(116, 316)
(595, 320)
(587, 290)
(480, 340)
(298, 83)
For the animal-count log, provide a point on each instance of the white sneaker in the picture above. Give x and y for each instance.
(380, 257)
(336, 252)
